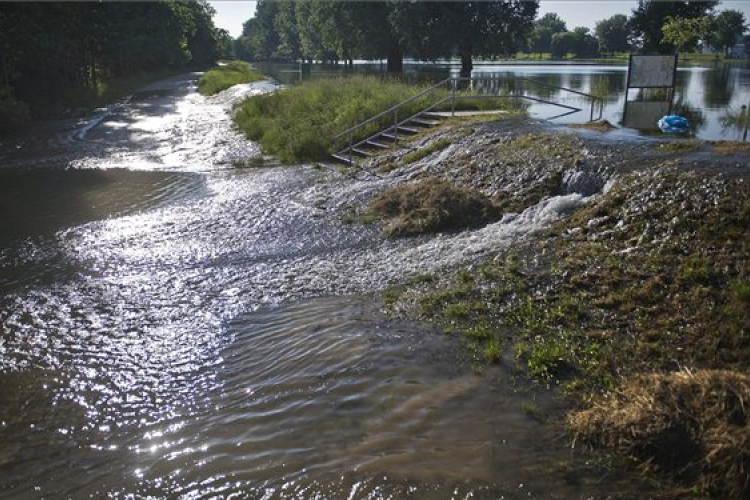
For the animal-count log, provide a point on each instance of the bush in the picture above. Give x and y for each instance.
(220, 78)
(432, 205)
(13, 114)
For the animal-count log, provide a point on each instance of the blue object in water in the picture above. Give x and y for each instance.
(673, 124)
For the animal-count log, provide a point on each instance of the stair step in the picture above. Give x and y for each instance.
(408, 130)
(425, 123)
(387, 135)
(343, 159)
(432, 116)
(377, 145)
(361, 152)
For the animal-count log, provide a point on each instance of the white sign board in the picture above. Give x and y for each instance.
(651, 71)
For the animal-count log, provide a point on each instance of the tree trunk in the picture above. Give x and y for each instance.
(395, 61)
(466, 64)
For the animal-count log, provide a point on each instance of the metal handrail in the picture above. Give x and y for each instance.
(593, 98)
(391, 109)
(350, 132)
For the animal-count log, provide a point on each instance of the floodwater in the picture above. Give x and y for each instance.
(175, 327)
(710, 96)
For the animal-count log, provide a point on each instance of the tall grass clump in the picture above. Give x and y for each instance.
(299, 123)
(691, 426)
(220, 78)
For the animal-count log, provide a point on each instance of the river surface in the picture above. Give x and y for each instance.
(175, 327)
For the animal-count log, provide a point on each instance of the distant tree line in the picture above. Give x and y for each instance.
(332, 31)
(49, 48)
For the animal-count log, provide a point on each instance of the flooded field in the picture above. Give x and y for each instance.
(710, 96)
(175, 327)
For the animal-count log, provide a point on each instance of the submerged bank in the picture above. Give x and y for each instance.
(648, 273)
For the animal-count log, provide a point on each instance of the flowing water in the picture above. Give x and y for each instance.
(174, 327)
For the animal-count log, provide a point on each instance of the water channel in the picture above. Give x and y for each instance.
(174, 327)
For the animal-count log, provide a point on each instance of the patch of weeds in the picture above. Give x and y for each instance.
(253, 161)
(419, 154)
(531, 409)
(679, 146)
(432, 205)
(463, 309)
(730, 147)
(740, 291)
(492, 350)
(420, 279)
(391, 296)
(696, 269)
(432, 303)
(387, 167)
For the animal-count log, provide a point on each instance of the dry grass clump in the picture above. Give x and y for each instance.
(432, 205)
(690, 426)
(598, 126)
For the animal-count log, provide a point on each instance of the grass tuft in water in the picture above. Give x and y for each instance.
(431, 205)
(221, 78)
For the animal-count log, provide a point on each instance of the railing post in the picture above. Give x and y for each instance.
(453, 98)
(746, 109)
(395, 126)
(351, 145)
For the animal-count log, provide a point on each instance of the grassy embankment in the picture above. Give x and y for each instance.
(299, 123)
(222, 77)
(614, 304)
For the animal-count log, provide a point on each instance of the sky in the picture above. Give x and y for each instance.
(230, 14)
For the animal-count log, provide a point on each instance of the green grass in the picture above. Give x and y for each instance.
(417, 155)
(222, 77)
(299, 123)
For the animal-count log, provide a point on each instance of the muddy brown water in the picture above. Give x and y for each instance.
(173, 327)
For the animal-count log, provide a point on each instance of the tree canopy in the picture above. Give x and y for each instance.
(329, 30)
(727, 29)
(613, 34)
(48, 48)
(650, 16)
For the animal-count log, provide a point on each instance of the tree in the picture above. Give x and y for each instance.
(579, 42)
(540, 39)
(649, 17)
(285, 23)
(551, 21)
(429, 30)
(684, 34)
(262, 37)
(727, 28)
(613, 34)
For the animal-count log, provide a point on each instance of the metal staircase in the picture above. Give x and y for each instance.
(385, 129)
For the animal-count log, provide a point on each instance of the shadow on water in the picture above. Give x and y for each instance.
(40, 203)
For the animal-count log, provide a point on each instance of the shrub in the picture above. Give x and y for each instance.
(13, 114)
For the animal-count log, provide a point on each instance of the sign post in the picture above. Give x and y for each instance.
(651, 72)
